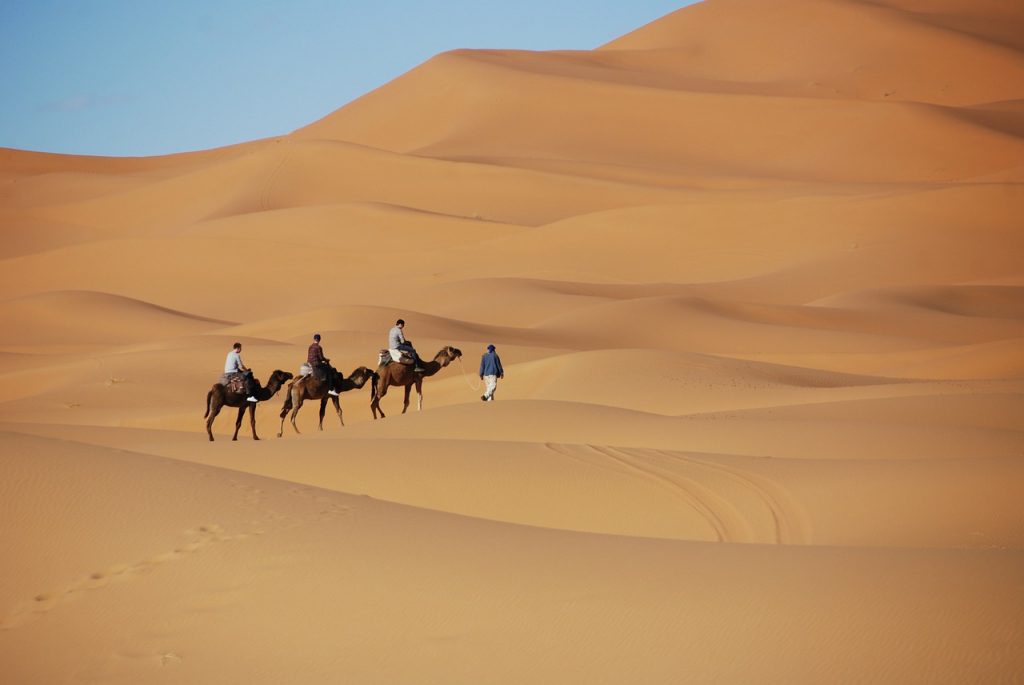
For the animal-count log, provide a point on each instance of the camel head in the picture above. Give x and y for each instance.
(450, 354)
(361, 375)
(279, 378)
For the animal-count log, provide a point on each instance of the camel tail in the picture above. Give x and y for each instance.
(208, 396)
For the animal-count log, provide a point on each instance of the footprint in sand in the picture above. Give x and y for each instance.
(199, 537)
(43, 602)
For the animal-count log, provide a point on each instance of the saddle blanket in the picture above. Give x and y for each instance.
(234, 382)
(393, 355)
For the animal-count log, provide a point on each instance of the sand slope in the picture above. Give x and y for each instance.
(754, 271)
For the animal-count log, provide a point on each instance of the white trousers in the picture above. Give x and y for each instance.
(490, 385)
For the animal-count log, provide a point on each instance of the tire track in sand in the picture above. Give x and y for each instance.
(722, 513)
(792, 525)
(726, 525)
(719, 513)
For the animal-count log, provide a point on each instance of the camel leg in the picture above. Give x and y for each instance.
(238, 422)
(215, 406)
(285, 408)
(252, 419)
(295, 412)
(375, 402)
(419, 395)
(323, 409)
(337, 408)
(405, 406)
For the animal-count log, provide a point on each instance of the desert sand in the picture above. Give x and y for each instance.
(756, 275)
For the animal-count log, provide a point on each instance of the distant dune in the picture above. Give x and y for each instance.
(756, 275)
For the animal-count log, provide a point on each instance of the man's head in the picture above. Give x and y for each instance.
(316, 337)
(400, 323)
(237, 346)
(490, 348)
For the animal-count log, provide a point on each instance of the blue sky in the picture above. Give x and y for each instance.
(146, 77)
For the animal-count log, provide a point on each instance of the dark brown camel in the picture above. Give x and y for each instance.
(403, 375)
(311, 388)
(219, 397)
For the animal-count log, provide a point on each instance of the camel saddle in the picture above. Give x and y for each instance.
(234, 382)
(399, 356)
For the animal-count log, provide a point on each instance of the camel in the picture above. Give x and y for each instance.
(311, 388)
(403, 375)
(219, 397)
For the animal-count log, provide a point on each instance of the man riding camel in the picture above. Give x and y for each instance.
(233, 366)
(321, 365)
(397, 341)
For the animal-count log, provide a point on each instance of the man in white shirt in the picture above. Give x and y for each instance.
(233, 364)
(397, 341)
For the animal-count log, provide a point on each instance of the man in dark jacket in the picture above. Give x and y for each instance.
(490, 372)
(321, 365)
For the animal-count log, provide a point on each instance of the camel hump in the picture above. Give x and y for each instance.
(233, 382)
(395, 356)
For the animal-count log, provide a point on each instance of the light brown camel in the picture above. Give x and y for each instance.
(311, 388)
(403, 375)
(219, 397)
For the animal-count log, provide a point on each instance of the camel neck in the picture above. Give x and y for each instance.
(430, 368)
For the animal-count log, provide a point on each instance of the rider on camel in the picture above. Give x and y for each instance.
(397, 341)
(233, 365)
(321, 366)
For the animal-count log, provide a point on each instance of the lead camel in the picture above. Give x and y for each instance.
(404, 376)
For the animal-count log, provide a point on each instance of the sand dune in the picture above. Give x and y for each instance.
(958, 39)
(61, 318)
(28, 235)
(721, 137)
(600, 590)
(754, 271)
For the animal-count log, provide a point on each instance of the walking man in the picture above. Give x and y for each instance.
(490, 372)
